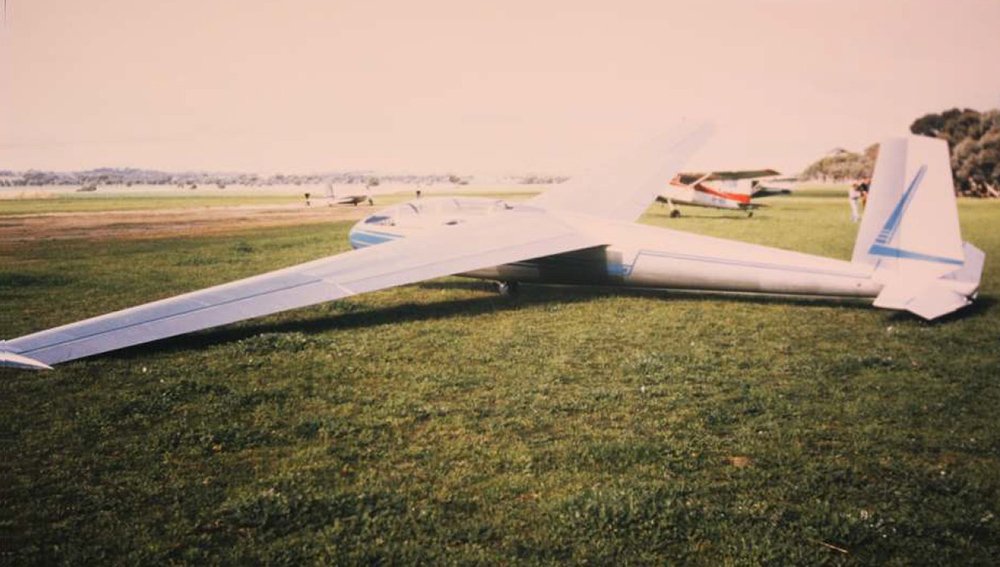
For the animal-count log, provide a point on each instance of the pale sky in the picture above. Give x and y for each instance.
(471, 86)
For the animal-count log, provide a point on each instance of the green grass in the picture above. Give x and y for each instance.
(117, 202)
(438, 423)
(89, 202)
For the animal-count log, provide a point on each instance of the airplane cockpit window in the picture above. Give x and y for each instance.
(440, 210)
(384, 220)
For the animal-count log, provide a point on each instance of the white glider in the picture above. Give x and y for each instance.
(908, 255)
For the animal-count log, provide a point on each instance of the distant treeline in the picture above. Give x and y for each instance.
(93, 178)
(973, 140)
(132, 176)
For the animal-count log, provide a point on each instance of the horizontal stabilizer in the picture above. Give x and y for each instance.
(972, 269)
(929, 300)
(936, 302)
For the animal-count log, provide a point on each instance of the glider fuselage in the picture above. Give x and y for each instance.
(636, 255)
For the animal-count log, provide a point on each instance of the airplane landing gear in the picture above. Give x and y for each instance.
(507, 289)
(749, 214)
(674, 211)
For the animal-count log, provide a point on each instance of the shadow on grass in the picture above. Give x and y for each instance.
(734, 215)
(25, 280)
(469, 307)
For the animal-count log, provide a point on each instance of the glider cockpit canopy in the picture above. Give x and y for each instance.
(435, 210)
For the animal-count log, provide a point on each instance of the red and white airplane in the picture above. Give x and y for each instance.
(734, 190)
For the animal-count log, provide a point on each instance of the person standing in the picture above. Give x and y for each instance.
(853, 197)
(863, 188)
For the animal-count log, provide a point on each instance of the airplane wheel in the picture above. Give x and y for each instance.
(675, 213)
(750, 214)
(507, 289)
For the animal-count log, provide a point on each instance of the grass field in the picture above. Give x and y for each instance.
(177, 199)
(97, 203)
(439, 423)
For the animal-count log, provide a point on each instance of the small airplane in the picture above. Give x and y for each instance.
(354, 199)
(737, 191)
(908, 254)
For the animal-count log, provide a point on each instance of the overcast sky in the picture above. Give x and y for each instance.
(474, 86)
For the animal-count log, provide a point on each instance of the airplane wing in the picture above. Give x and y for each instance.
(689, 177)
(775, 186)
(521, 234)
(626, 190)
(350, 200)
(769, 192)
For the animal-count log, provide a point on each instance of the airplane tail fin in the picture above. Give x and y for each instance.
(910, 232)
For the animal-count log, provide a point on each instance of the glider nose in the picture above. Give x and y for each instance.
(354, 237)
(373, 229)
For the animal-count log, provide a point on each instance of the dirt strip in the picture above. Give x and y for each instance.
(167, 222)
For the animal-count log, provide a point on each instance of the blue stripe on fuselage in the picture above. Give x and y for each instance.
(360, 239)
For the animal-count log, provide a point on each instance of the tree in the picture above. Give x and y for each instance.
(974, 142)
(843, 165)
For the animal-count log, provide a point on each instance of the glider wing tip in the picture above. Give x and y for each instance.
(13, 360)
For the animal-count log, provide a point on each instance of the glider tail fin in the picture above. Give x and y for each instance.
(910, 232)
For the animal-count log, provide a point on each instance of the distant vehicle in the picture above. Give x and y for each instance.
(908, 254)
(733, 190)
(355, 199)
